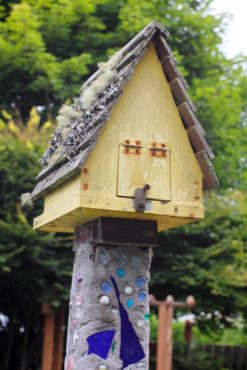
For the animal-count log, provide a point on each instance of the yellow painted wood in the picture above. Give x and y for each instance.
(146, 112)
(136, 170)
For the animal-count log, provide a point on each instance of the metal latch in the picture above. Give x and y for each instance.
(140, 198)
(132, 147)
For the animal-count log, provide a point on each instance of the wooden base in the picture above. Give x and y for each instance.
(119, 231)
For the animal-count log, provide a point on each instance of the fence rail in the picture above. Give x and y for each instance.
(234, 357)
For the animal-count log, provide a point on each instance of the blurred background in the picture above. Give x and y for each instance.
(47, 49)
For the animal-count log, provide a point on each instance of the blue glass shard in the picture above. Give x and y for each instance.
(131, 351)
(100, 343)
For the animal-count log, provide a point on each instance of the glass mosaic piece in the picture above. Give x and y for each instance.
(104, 256)
(106, 287)
(131, 351)
(146, 316)
(128, 290)
(120, 272)
(140, 323)
(113, 347)
(140, 282)
(130, 302)
(142, 295)
(100, 343)
(121, 259)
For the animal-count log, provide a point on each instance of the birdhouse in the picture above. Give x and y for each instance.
(130, 146)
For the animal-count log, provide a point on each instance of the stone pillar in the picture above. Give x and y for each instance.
(109, 308)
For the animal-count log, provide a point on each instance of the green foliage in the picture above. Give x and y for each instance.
(197, 358)
(35, 267)
(233, 336)
(207, 259)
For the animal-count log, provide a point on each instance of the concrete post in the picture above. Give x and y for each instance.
(109, 308)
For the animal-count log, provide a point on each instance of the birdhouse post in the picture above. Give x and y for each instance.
(128, 159)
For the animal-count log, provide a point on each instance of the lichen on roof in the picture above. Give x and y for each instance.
(74, 119)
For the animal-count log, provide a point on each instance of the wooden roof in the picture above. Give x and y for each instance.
(85, 119)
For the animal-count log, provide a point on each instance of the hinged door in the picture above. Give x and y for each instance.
(139, 165)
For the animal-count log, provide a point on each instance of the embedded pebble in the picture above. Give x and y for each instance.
(128, 290)
(102, 367)
(105, 300)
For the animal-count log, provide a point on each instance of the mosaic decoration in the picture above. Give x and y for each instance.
(105, 300)
(113, 347)
(140, 282)
(146, 316)
(142, 295)
(104, 256)
(120, 272)
(131, 351)
(128, 290)
(100, 343)
(70, 364)
(130, 302)
(121, 258)
(140, 323)
(106, 287)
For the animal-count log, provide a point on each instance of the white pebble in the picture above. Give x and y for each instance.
(102, 367)
(128, 290)
(105, 300)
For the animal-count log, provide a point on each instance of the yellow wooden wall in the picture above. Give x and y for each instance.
(145, 111)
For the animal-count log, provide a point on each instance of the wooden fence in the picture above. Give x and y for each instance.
(234, 357)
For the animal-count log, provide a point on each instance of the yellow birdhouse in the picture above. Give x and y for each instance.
(130, 146)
